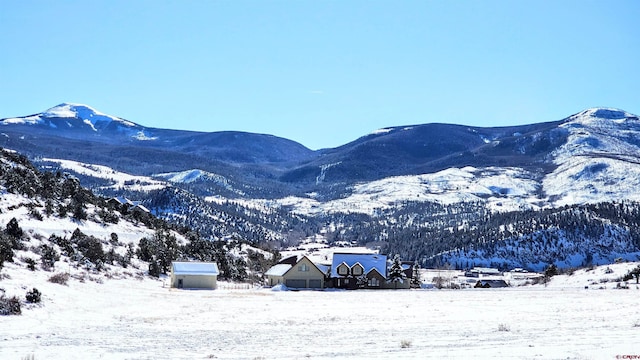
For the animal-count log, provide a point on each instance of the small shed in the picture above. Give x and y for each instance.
(194, 275)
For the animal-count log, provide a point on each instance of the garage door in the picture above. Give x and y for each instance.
(296, 283)
(315, 284)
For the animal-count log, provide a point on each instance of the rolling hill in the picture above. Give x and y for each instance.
(386, 189)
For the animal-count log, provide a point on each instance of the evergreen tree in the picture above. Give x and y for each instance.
(550, 271)
(415, 279)
(362, 281)
(33, 296)
(396, 274)
(633, 273)
(91, 248)
(6, 250)
(159, 251)
(13, 228)
(48, 256)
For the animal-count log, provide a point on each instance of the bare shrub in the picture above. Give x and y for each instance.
(31, 263)
(405, 344)
(59, 278)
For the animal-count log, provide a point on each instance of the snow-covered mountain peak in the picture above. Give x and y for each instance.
(83, 112)
(597, 127)
(602, 114)
(69, 116)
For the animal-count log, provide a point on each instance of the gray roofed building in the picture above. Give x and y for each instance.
(194, 275)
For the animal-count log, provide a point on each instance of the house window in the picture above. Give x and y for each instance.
(357, 270)
(374, 282)
(343, 270)
(303, 267)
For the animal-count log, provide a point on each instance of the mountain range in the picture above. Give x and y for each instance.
(264, 188)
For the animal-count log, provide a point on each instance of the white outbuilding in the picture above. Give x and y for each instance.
(194, 275)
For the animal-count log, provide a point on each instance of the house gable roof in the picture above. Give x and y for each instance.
(335, 269)
(291, 260)
(367, 261)
(281, 269)
(194, 268)
(278, 270)
(374, 270)
(302, 259)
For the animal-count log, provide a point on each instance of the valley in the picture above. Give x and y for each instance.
(425, 191)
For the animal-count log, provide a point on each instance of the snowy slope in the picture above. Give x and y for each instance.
(19, 207)
(505, 189)
(599, 162)
(197, 175)
(116, 179)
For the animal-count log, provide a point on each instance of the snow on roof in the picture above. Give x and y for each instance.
(123, 200)
(287, 263)
(194, 268)
(368, 262)
(143, 208)
(484, 270)
(323, 268)
(278, 270)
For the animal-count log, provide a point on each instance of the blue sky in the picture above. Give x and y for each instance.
(322, 73)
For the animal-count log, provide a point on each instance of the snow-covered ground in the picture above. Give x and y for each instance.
(143, 319)
(117, 179)
(503, 189)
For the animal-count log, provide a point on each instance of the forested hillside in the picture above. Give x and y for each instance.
(50, 218)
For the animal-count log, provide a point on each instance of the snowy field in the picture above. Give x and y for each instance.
(140, 319)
